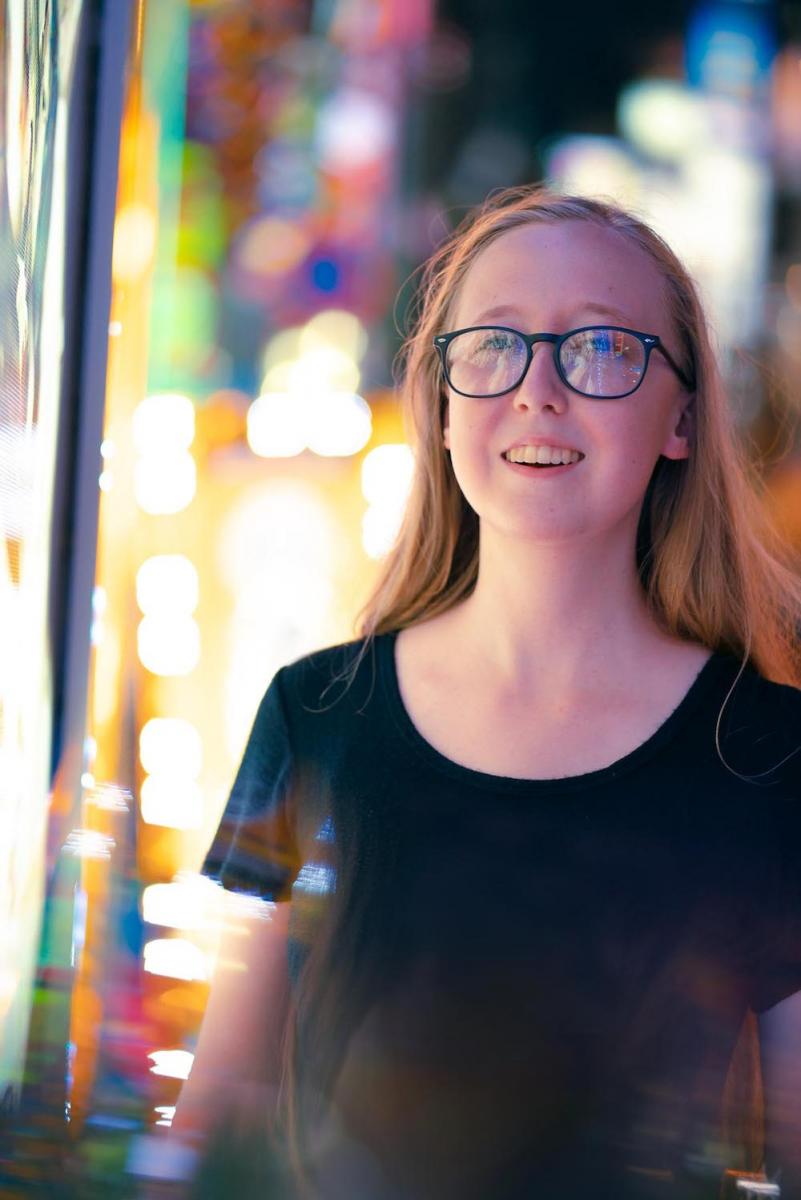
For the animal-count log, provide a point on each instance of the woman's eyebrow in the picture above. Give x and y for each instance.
(606, 311)
(505, 312)
(502, 311)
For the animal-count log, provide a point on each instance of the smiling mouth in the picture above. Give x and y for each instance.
(543, 466)
(540, 466)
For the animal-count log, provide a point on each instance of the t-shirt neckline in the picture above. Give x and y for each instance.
(703, 683)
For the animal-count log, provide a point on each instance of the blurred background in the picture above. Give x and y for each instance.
(211, 216)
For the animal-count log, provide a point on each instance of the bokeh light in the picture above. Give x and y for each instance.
(163, 421)
(167, 583)
(338, 423)
(172, 800)
(168, 645)
(134, 243)
(171, 744)
(165, 483)
(276, 425)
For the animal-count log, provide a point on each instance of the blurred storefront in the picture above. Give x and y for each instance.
(282, 168)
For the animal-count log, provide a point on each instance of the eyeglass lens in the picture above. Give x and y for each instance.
(597, 362)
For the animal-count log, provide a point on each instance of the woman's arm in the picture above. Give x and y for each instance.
(237, 1066)
(780, 1052)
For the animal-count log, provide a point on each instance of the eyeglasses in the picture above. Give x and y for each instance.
(604, 362)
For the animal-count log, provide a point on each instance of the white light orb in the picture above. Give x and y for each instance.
(379, 530)
(324, 368)
(595, 166)
(387, 474)
(662, 117)
(171, 801)
(165, 483)
(168, 645)
(164, 421)
(354, 128)
(171, 744)
(276, 425)
(167, 583)
(339, 423)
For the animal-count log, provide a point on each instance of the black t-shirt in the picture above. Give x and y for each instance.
(520, 988)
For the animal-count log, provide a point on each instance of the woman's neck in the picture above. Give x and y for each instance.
(568, 613)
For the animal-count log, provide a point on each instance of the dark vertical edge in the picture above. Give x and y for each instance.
(99, 85)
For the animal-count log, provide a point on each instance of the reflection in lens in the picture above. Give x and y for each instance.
(603, 362)
(484, 362)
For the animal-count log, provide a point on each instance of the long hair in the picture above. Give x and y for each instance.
(713, 566)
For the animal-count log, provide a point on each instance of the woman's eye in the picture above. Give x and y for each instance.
(498, 343)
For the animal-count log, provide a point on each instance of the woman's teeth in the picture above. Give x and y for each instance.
(542, 456)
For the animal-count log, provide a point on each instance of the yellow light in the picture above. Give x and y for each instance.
(379, 530)
(278, 377)
(167, 583)
(163, 421)
(662, 117)
(165, 483)
(338, 328)
(176, 1064)
(282, 347)
(172, 801)
(339, 423)
(276, 425)
(170, 744)
(168, 645)
(595, 166)
(324, 368)
(387, 474)
(176, 958)
(134, 243)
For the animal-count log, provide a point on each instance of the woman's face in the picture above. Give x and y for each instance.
(552, 278)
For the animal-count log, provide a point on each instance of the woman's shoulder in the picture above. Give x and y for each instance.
(760, 693)
(760, 724)
(320, 678)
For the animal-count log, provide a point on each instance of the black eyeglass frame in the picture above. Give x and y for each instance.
(650, 341)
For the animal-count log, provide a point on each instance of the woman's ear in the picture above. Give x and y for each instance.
(686, 423)
(445, 427)
(683, 435)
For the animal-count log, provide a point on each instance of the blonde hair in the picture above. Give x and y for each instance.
(714, 568)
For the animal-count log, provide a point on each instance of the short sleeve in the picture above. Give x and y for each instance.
(254, 849)
(776, 966)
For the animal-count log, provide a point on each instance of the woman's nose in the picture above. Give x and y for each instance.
(541, 385)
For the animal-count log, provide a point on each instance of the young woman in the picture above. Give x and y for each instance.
(534, 870)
